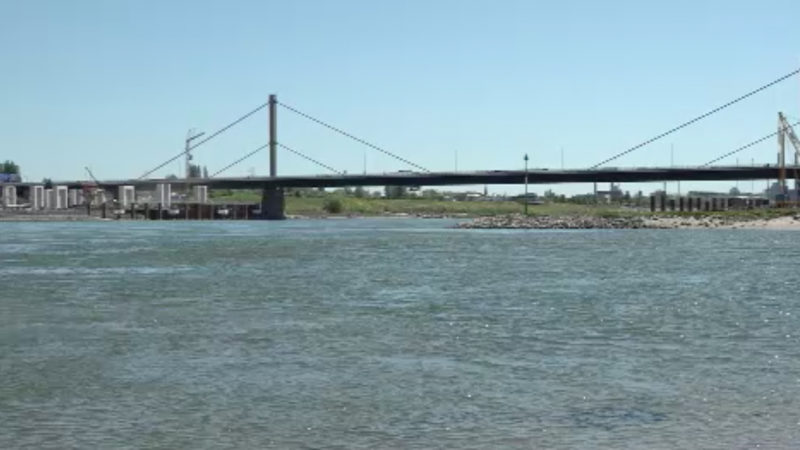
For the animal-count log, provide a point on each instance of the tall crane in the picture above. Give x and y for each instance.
(90, 189)
(785, 130)
(91, 175)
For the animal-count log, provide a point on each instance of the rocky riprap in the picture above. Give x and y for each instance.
(517, 221)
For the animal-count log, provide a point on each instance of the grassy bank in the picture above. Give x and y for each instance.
(320, 206)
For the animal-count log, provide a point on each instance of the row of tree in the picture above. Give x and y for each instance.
(9, 167)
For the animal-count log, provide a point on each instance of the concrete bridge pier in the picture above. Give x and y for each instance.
(272, 204)
(9, 196)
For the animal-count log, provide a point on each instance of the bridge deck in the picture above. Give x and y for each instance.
(535, 176)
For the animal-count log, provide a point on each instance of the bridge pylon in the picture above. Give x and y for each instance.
(272, 198)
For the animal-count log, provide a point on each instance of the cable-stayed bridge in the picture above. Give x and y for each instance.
(417, 175)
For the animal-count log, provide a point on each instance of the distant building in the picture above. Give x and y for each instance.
(614, 194)
(9, 178)
(774, 192)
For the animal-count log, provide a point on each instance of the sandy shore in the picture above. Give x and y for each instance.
(777, 223)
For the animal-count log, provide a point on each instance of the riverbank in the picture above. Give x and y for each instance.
(584, 222)
(49, 216)
(485, 214)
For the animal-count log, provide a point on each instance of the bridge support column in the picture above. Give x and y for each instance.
(652, 203)
(61, 197)
(200, 194)
(73, 198)
(9, 196)
(49, 199)
(126, 196)
(164, 195)
(36, 197)
(272, 204)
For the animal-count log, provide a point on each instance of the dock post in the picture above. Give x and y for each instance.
(105, 207)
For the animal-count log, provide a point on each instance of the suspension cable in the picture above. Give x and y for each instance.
(698, 118)
(357, 139)
(745, 147)
(239, 160)
(212, 136)
(304, 156)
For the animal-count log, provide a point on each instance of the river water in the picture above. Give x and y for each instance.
(396, 333)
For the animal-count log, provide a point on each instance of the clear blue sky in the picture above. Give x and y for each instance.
(116, 84)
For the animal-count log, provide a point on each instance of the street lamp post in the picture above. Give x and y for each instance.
(526, 184)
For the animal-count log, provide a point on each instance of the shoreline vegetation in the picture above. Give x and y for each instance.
(494, 214)
(550, 215)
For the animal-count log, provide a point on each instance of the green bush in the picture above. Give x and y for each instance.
(333, 206)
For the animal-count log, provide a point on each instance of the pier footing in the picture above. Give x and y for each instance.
(272, 204)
